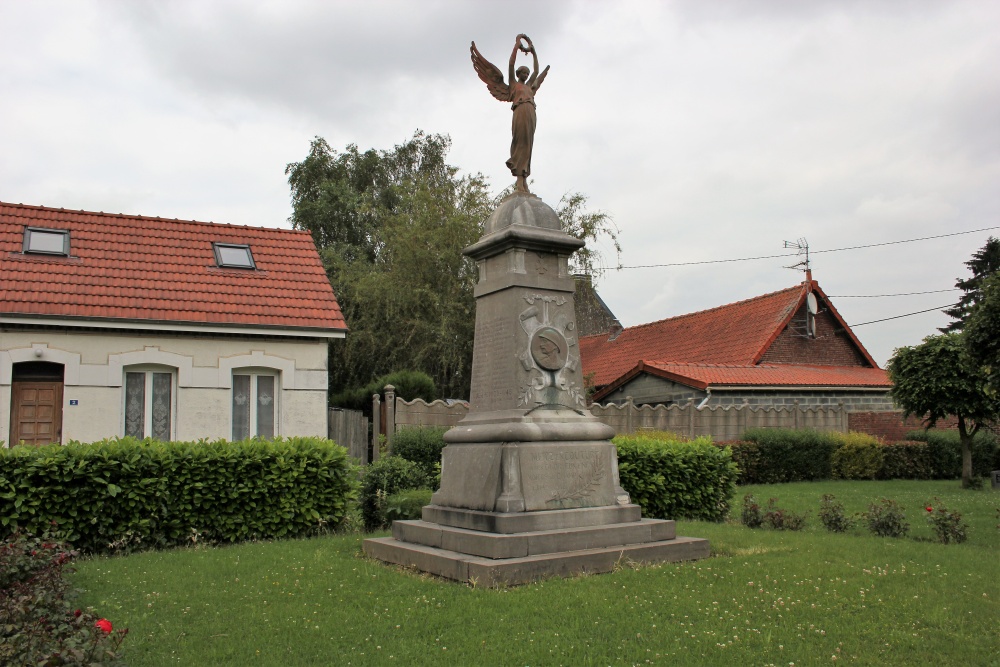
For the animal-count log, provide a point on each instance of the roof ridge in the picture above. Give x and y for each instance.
(707, 310)
(132, 216)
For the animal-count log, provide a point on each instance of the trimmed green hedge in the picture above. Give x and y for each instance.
(770, 456)
(677, 480)
(383, 478)
(421, 445)
(129, 493)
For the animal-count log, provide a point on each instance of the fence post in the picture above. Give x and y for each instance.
(629, 408)
(390, 415)
(795, 421)
(745, 409)
(845, 422)
(376, 422)
(692, 410)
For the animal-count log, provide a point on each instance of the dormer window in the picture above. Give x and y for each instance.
(46, 241)
(232, 256)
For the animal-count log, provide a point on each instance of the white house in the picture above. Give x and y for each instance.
(179, 330)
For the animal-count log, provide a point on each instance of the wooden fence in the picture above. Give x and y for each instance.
(349, 428)
(719, 422)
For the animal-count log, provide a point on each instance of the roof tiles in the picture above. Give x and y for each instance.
(140, 268)
(737, 333)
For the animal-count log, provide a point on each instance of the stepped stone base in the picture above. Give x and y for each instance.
(555, 544)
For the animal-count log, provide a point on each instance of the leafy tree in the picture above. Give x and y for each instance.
(985, 262)
(982, 333)
(390, 226)
(939, 378)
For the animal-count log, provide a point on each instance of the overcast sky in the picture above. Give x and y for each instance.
(708, 130)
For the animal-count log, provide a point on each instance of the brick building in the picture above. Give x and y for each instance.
(782, 348)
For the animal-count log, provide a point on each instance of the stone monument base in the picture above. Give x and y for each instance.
(495, 548)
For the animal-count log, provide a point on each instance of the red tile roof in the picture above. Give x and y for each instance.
(135, 268)
(799, 376)
(736, 334)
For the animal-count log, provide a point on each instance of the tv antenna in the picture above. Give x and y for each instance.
(802, 248)
(812, 305)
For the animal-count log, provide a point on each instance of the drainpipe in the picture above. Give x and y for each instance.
(708, 395)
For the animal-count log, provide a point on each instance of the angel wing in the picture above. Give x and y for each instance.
(490, 75)
(541, 77)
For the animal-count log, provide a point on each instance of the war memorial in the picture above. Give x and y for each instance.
(529, 478)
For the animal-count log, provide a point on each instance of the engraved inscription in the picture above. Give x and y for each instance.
(576, 474)
(489, 364)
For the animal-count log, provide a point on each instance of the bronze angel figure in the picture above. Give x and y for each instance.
(521, 94)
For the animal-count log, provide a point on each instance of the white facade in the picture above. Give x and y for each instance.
(201, 367)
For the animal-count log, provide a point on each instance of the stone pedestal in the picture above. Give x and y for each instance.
(529, 479)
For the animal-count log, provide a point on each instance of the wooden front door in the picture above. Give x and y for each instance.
(36, 413)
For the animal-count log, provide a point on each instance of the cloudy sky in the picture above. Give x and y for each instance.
(709, 130)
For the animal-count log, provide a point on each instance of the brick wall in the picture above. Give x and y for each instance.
(890, 426)
(827, 349)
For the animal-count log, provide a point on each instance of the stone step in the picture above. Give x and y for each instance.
(515, 545)
(513, 571)
(527, 522)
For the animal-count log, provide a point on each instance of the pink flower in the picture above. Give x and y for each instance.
(105, 625)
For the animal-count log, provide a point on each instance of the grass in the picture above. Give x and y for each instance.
(765, 597)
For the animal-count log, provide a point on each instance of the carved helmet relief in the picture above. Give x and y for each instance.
(550, 356)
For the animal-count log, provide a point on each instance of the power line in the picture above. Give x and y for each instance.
(747, 259)
(896, 317)
(922, 238)
(874, 296)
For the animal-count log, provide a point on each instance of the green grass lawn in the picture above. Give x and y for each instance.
(765, 597)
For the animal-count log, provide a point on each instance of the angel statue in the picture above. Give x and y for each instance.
(521, 93)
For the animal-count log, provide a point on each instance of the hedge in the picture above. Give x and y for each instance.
(421, 445)
(387, 476)
(677, 480)
(770, 456)
(127, 493)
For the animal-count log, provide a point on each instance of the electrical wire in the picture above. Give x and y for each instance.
(875, 296)
(747, 259)
(896, 317)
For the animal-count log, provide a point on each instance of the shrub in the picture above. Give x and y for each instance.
(781, 519)
(38, 622)
(906, 459)
(860, 456)
(948, 525)
(945, 452)
(885, 518)
(407, 505)
(746, 456)
(677, 480)
(831, 513)
(791, 455)
(751, 515)
(122, 493)
(382, 479)
(409, 385)
(421, 445)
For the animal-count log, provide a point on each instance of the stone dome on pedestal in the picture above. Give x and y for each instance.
(522, 220)
(522, 209)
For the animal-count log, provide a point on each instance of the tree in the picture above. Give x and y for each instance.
(985, 262)
(938, 378)
(982, 334)
(390, 226)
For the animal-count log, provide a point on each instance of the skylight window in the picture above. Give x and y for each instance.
(231, 256)
(46, 241)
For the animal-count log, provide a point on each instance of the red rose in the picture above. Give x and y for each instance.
(104, 624)
(77, 613)
(929, 508)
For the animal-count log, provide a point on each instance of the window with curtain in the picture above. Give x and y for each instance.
(254, 405)
(149, 403)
